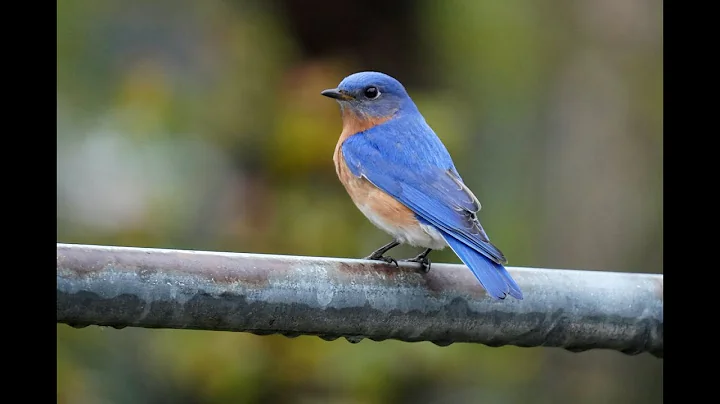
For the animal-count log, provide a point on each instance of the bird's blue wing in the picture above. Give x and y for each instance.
(405, 159)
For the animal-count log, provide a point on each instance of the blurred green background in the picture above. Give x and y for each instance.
(199, 125)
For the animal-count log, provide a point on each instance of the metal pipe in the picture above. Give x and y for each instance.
(355, 299)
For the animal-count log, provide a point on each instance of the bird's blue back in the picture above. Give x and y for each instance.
(406, 159)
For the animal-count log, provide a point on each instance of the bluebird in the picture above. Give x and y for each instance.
(401, 177)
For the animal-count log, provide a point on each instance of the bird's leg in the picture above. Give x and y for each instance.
(377, 255)
(422, 259)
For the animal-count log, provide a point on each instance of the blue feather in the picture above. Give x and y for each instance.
(493, 276)
(405, 158)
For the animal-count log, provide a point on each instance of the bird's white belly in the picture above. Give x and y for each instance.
(417, 234)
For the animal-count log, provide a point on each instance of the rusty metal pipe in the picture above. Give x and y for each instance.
(355, 299)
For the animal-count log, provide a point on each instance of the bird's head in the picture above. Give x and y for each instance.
(371, 96)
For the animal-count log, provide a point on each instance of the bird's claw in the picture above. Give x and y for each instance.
(422, 260)
(389, 260)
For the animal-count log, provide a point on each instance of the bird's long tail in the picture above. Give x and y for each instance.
(493, 277)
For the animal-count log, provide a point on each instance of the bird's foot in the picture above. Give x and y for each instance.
(421, 259)
(389, 260)
(378, 255)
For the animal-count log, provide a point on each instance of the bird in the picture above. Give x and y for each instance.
(400, 175)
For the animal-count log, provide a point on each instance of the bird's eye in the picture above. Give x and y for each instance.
(372, 93)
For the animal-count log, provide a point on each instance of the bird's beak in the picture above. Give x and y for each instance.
(336, 94)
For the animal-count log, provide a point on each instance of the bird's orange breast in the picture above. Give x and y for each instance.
(368, 197)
